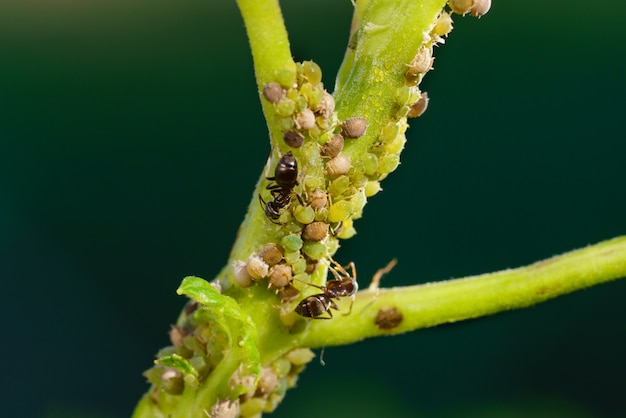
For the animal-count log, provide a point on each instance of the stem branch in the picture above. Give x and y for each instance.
(442, 302)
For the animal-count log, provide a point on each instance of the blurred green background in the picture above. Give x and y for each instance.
(131, 138)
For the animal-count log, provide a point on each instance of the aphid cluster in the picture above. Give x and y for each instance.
(331, 198)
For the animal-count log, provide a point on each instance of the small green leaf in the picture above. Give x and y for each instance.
(177, 362)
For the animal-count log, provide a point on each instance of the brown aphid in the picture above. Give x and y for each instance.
(190, 307)
(354, 127)
(317, 199)
(315, 231)
(293, 139)
(273, 92)
(272, 254)
(172, 381)
(311, 264)
(421, 63)
(288, 293)
(224, 409)
(267, 382)
(419, 107)
(388, 317)
(256, 267)
(339, 165)
(305, 119)
(461, 7)
(326, 106)
(176, 335)
(480, 7)
(240, 274)
(333, 146)
(279, 276)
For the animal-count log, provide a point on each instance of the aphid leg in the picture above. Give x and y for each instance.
(336, 230)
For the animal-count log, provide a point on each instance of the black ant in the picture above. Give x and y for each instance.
(286, 178)
(343, 285)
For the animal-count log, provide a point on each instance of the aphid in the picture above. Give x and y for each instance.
(315, 231)
(293, 139)
(388, 317)
(339, 165)
(286, 178)
(354, 127)
(344, 285)
(419, 107)
(273, 92)
(333, 146)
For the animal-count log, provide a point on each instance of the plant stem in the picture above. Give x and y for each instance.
(448, 301)
(388, 36)
(269, 45)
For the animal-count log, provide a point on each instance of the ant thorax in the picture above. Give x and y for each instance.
(343, 285)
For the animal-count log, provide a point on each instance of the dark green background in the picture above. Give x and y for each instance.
(131, 138)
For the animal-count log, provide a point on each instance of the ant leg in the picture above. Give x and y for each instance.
(334, 306)
(311, 284)
(341, 269)
(352, 268)
(351, 303)
(300, 199)
(335, 273)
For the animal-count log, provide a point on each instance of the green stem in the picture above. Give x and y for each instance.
(269, 45)
(437, 303)
(264, 332)
(388, 36)
(268, 38)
